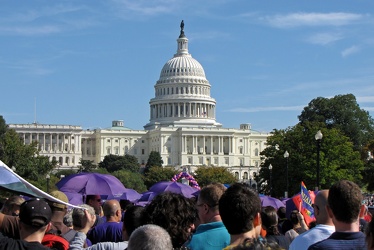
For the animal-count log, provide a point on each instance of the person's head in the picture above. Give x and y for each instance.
(112, 210)
(132, 219)
(319, 206)
(281, 212)
(95, 202)
(344, 201)
(78, 215)
(12, 205)
(240, 209)
(370, 235)
(175, 213)
(35, 215)
(207, 202)
(269, 219)
(57, 206)
(293, 218)
(150, 237)
(125, 204)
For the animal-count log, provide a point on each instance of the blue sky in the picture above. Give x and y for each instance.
(90, 62)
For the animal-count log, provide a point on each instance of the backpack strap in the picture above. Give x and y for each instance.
(69, 235)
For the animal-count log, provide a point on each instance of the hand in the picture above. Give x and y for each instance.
(300, 217)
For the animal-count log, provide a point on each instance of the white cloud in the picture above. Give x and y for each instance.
(351, 50)
(324, 38)
(262, 109)
(312, 19)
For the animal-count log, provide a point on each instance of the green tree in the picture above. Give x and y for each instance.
(116, 162)
(25, 158)
(206, 175)
(157, 174)
(341, 112)
(154, 160)
(338, 160)
(86, 166)
(131, 180)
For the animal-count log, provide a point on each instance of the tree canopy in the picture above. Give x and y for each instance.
(338, 159)
(207, 175)
(154, 160)
(157, 174)
(341, 112)
(117, 162)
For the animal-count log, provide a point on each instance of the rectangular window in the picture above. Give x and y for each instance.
(169, 149)
(116, 151)
(200, 160)
(142, 151)
(169, 161)
(189, 160)
(215, 160)
(135, 151)
(227, 160)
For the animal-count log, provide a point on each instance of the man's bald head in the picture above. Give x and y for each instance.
(320, 212)
(111, 209)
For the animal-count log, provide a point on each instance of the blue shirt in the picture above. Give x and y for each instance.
(107, 231)
(210, 236)
(342, 241)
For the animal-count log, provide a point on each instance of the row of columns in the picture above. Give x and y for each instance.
(183, 90)
(185, 109)
(48, 145)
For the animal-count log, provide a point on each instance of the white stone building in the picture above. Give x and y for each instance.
(182, 128)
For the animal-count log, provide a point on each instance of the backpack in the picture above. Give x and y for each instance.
(53, 239)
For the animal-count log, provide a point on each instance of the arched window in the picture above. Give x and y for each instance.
(236, 175)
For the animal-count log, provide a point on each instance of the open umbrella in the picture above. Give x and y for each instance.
(271, 201)
(130, 194)
(91, 184)
(174, 187)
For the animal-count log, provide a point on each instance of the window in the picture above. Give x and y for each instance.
(135, 151)
(126, 149)
(245, 177)
(108, 150)
(142, 141)
(200, 160)
(215, 160)
(240, 150)
(189, 160)
(169, 161)
(116, 140)
(108, 140)
(256, 152)
(227, 160)
(169, 149)
(142, 151)
(116, 150)
(236, 175)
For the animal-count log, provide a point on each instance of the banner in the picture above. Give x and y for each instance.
(11, 181)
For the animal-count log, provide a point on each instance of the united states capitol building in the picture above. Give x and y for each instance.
(182, 128)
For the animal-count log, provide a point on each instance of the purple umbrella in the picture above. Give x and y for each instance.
(74, 198)
(174, 187)
(271, 201)
(146, 198)
(130, 194)
(91, 184)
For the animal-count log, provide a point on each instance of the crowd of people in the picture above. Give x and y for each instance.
(219, 218)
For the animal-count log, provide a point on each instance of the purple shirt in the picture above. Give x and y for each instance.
(106, 232)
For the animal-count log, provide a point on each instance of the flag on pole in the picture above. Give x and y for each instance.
(306, 204)
(9, 180)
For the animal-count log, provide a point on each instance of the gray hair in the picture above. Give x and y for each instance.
(150, 237)
(79, 215)
(68, 218)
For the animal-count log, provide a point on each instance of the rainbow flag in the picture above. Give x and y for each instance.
(306, 202)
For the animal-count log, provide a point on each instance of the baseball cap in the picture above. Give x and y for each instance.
(35, 212)
(58, 195)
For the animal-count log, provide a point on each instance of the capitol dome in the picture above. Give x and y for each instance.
(182, 66)
(182, 93)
